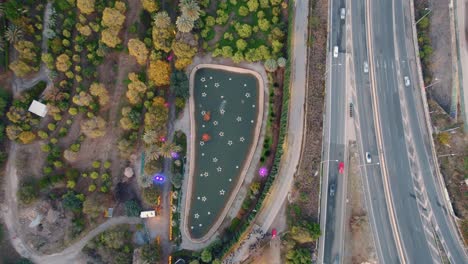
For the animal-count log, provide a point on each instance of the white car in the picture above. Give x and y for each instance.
(343, 13)
(366, 67)
(407, 81)
(368, 157)
(335, 52)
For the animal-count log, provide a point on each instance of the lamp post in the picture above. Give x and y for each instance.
(435, 82)
(328, 161)
(447, 155)
(419, 20)
(335, 64)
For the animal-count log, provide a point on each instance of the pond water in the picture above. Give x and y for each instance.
(226, 109)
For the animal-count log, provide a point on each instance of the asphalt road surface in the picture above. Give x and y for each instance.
(332, 206)
(406, 147)
(409, 222)
(365, 133)
(442, 220)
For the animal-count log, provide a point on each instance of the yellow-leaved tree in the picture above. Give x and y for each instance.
(159, 72)
(149, 5)
(185, 48)
(98, 90)
(94, 127)
(136, 89)
(85, 6)
(138, 49)
(63, 63)
(163, 31)
(110, 37)
(112, 19)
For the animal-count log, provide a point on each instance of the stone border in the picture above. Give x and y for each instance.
(248, 161)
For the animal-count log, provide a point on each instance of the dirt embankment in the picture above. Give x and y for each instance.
(359, 241)
(306, 189)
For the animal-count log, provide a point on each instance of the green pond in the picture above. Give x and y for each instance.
(231, 100)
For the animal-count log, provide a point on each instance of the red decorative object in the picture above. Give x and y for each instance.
(205, 137)
(207, 116)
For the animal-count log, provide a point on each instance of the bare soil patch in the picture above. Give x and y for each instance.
(441, 42)
(359, 244)
(306, 188)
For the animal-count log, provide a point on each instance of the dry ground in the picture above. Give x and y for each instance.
(359, 243)
(306, 188)
(441, 60)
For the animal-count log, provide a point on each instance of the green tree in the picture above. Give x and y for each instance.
(299, 256)
(27, 193)
(271, 65)
(243, 30)
(252, 5)
(115, 238)
(206, 255)
(94, 205)
(184, 24)
(73, 201)
(243, 11)
(190, 9)
(241, 44)
(176, 180)
(179, 84)
(132, 208)
(151, 253)
(150, 195)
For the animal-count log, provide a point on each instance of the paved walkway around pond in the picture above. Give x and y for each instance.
(238, 195)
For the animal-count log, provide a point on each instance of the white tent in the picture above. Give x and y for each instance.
(38, 108)
(147, 214)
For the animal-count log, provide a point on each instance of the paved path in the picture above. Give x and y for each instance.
(460, 27)
(293, 141)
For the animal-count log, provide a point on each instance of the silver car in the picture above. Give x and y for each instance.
(407, 81)
(366, 67)
(343, 13)
(335, 52)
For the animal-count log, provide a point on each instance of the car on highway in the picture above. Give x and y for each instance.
(407, 81)
(368, 157)
(341, 167)
(335, 52)
(366, 67)
(343, 13)
(273, 233)
(332, 189)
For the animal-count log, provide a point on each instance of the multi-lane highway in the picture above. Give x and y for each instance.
(365, 133)
(407, 210)
(332, 206)
(416, 196)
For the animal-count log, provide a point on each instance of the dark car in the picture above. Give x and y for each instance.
(332, 189)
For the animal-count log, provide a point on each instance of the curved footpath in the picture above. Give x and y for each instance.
(10, 216)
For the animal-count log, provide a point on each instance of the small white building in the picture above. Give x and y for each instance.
(38, 108)
(147, 214)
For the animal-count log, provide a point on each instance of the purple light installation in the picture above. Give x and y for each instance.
(174, 155)
(158, 178)
(263, 172)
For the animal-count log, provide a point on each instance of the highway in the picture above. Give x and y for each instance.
(384, 67)
(426, 176)
(417, 199)
(366, 138)
(331, 244)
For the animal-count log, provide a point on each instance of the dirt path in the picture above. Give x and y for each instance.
(20, 84)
